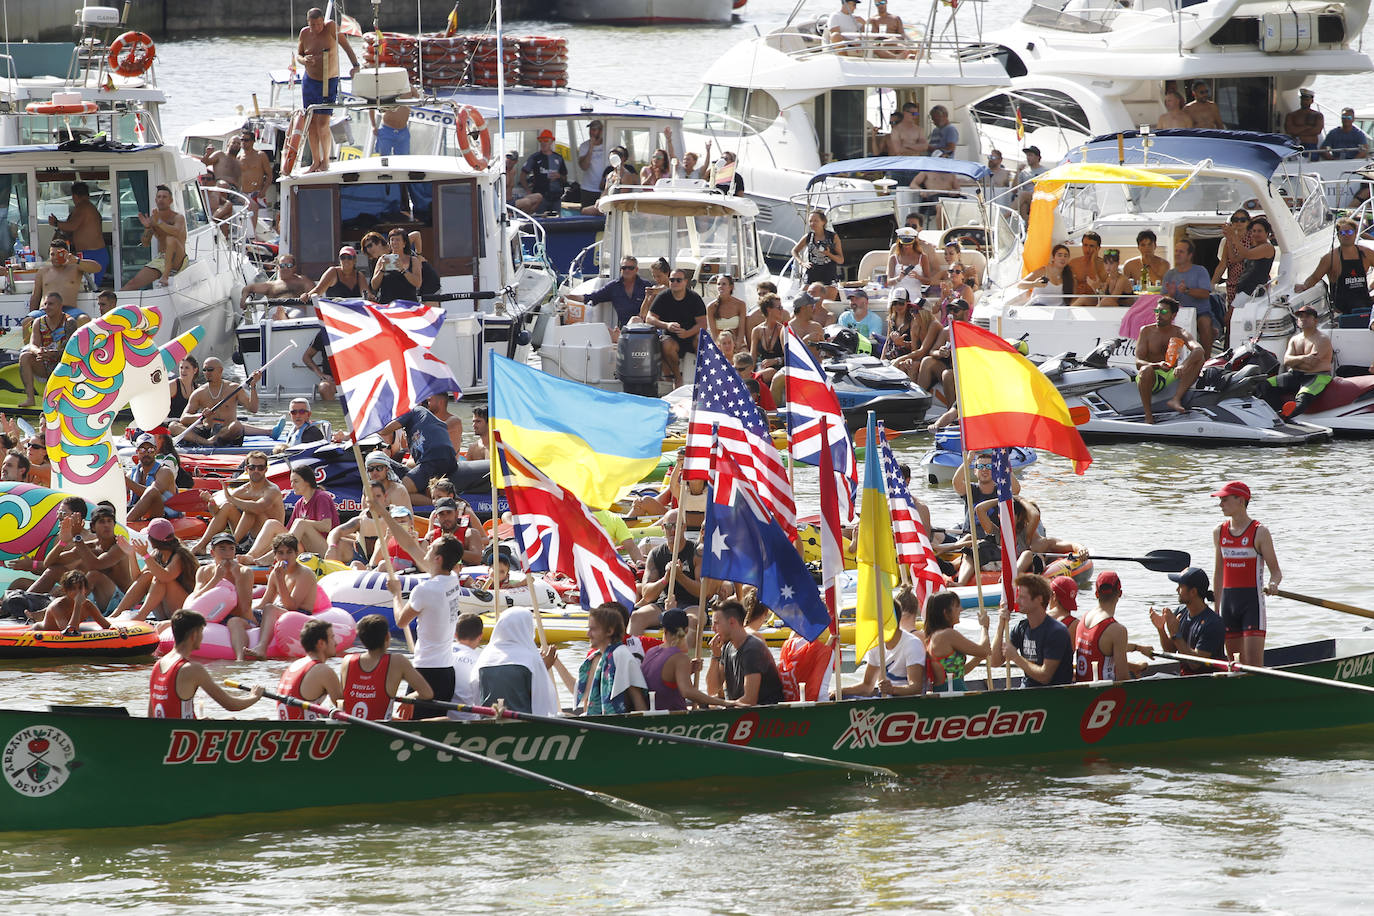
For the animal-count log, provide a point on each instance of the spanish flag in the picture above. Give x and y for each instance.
(1020, 125)
(451, 27)
(1006, 401)
(590, 441)
(876, 555)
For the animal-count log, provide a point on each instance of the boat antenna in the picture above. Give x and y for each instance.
(793, 15)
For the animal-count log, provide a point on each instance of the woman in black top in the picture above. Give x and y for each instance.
(824, 254)
(343, 281)
(397, 276)
(183, 385)
(1258, 252)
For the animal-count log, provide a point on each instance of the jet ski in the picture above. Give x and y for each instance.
(1221, 409)
(1346, 405)
(863, 382)
(940, 463)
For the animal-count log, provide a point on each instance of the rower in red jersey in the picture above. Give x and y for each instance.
(370, 680)
(1241, 544)
(175, 679)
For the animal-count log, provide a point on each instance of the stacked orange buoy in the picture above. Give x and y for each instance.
(543, 61)
(488, 61)
(471, 60)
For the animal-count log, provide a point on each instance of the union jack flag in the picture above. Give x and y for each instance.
(380, 355)
(811, 405)
(558, 533)
(913, 542)
(722, 404)
(1001, 477)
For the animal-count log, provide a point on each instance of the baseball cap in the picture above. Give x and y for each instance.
(1234, 488)
(348, 250)
(901, 294)
(223, 537)
(1309, 309)
(674, 619)
(445, 504)
(159, 529)
(546, 134)
(595, 122)
(859, 293)
(1066, 592)
(1192, 577)
(1107, 579)
(803, 300)
(146, 438)
(1032, 149)
(907, 232)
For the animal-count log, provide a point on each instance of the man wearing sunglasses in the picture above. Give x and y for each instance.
(1346, 141)
(246, 508)
(211, 416)
(679, 314)
(1165, 352)
(150, 482)
(1202, 109)
(1346, 269)
(625, 293)
(295, 428)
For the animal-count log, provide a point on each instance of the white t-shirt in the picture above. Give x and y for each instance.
(627, 672)
(843, 21)
(436, 600)
(465, 687)
(908, 651)
(596, 165)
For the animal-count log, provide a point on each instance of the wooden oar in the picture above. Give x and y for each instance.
(1157, 560)
(642, 812)
(658, 736)
(233, 392)
(1327, 603)
(1255, 669)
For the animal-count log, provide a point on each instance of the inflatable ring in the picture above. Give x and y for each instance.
(132, 53)
(470, 121)
(52, 108)
(292, 149)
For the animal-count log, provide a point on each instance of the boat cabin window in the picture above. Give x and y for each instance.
(44, 129)
(730, 106)
(1040, 108)
(14, 202)
(431, 132)
(193, 208)
(55, 199)
(315, 229)
(705, 245)
(134, 197)
(1246, 103)
(458, 235)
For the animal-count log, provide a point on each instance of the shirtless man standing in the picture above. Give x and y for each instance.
(209, 422)
(248, 507)
(477, 451)
(1304, 124)
(61, 275)
(1174, 115)
(48, 336)
(1151, 358)
(320, 85)
(169, 227)
(1306, 367)
(224, 163)
(1202, 109)
(82, 228)
(907, 138)
(256, 171)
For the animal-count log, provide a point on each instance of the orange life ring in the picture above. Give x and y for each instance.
(52, 108)
(292, 148)
(132, 53)
(557, 83)
(470, 121)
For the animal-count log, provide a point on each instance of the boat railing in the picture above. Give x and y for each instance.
(939, 37)
(578, 267)
(533, 240)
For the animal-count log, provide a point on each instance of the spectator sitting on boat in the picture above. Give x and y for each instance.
(380, 470)
(911, 263)
(725, 340)
(477, 448)
(48, 337)
(908, 138)
(224, 592)
(61, 556)
(667, 667)
(1147, 268)
(467, 649)
(313, 516)
(311, 678)
(883, 143)
(247, 508)
(1305, 124)
(106, 561)
(40, 468)
(183, 386)
(1174, 116)
(679, 314)
(512, 669)
(1254, 242)
(168, 577)
(923, 335)
(949, 653)
(610, 679)
(1202, 109)
(211, 416)
(1063, 602)
(544, 176)
(1116, 288)
(660, 163)
(431, 447)
(287, 283)
(591, 161)
(944, 136)
(626, 294)
(1163, 352)
(858, 317)
(367, 682)
(728, 312)
(742, 668)
(1101, 643)
(455, 517)
(889, 29)
(955, 287)
(1025, 177)
(1243, 547)
(1089, 273)
(1191, 285)
(16, 467)
(1038, 644)
(693, 166)
(803, 324)
(658, 273)
(61, 274)
(767, 346)
(1346, 141)
(341, 281)
(658, 568)
(290, 587)
(899, 323)
(905, 673)
(843, 30)
(936, 367)
(176, 676)
(1192, 628)
(82, 229)
(438, 404)
(166, 230)
(292, 429)
(1053, 284)
(150, 482)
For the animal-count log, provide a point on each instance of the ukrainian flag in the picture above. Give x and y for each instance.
(590, 441)
(876, 554)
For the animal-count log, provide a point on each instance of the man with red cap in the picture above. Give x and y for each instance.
(1101, 647)
(1241, 545)
(545, 174)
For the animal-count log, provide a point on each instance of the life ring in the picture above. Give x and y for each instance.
(470, 121)
(53, 108)
(132, 53)
(292, 148)
(558, 83)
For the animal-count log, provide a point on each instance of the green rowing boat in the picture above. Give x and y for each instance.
(70, 768)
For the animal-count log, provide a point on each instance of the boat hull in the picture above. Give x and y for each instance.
(60, 765)
(647, 12)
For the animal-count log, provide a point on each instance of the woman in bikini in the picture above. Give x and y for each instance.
(727, 312)
(949, 653)
(767, 346)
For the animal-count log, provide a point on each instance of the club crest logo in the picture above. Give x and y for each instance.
(38, 760)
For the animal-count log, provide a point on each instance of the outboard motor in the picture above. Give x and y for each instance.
(638, 361)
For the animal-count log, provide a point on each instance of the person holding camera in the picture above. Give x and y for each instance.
(397, 275)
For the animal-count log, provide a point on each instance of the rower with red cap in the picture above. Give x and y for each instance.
(1241, 545)
(1101, 646)
(1063, 603)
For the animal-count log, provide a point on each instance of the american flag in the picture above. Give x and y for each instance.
(1001, 477)
(380, 355)
(722, 404)
(811, 406)
(913, 542)
(558, 533)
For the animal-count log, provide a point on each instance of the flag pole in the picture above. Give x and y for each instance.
(698, 631)
(968, 495)
(493, 438)
(832, 603)
(883, 595)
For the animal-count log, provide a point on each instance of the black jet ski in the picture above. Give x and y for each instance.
(863, 382)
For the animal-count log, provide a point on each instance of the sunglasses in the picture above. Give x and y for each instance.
(956, 270)
(628, 267)
(677, 279)
(1163, 311)
(257, 467)
(299, 411)
(348, 257)
(1347, 232)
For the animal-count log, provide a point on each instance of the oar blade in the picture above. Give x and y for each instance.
(1167, 561)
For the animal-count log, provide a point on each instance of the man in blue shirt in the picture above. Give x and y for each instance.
(1193, 628)
(858, 317)
(944, 136)
(625, 293)
(1191, 285)
(1346, 141)
(1039, 644)
(431, 448)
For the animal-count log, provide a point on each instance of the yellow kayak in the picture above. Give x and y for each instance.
(673, 443)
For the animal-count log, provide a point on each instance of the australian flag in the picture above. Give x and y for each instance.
(742, 543)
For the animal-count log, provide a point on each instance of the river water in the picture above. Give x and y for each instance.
(1269, 826)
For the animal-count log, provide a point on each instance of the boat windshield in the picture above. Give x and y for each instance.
(1218, 194)
(1086, 16)
(709, 245)
(38, 129)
